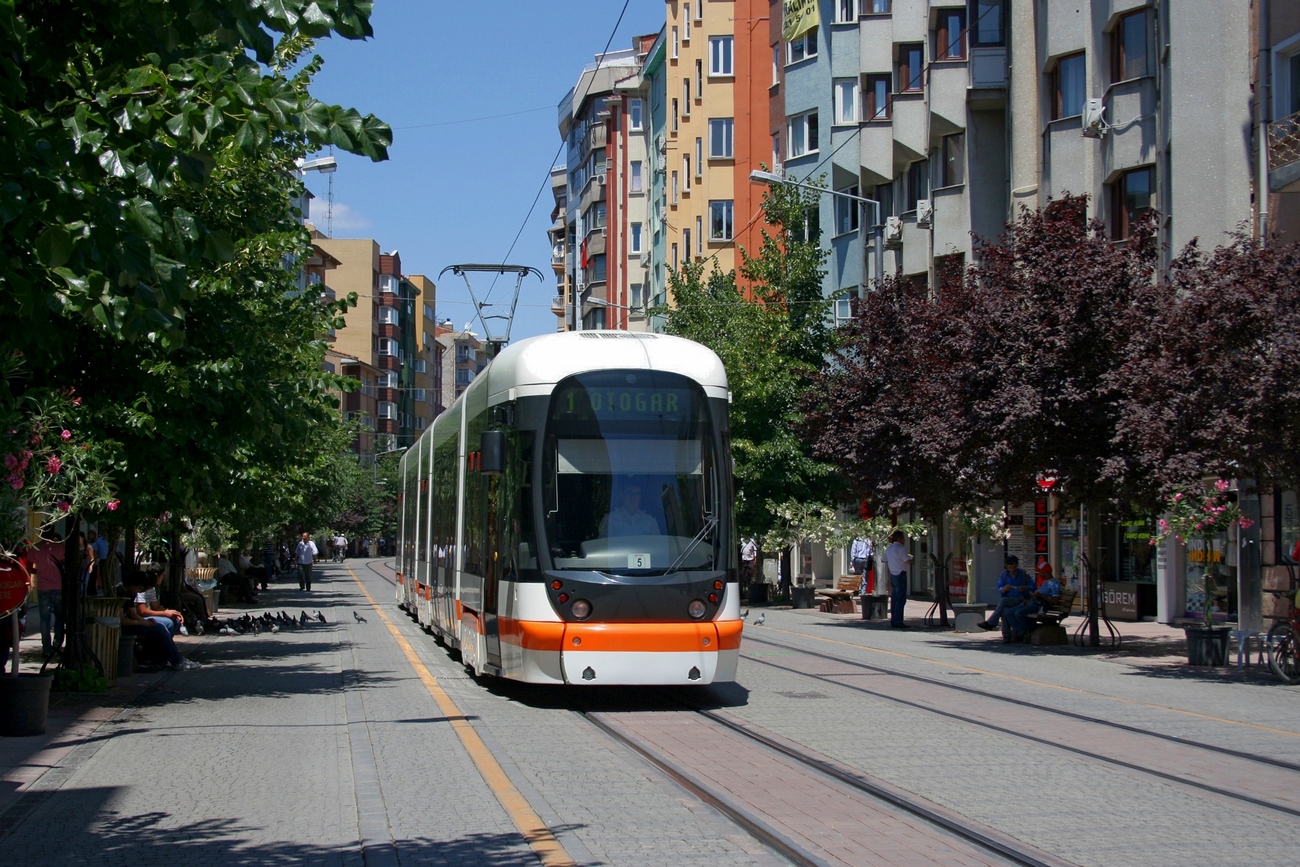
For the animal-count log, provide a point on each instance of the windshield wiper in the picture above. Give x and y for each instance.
(709, 523)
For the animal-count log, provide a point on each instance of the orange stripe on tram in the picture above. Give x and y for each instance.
(532, 634)
(641, 637)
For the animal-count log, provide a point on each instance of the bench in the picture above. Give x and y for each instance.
(1044, 628)
(840, 600)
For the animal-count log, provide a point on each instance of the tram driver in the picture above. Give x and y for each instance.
(626, 518)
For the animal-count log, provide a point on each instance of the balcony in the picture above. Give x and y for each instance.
(1284, 154)
(557, 304)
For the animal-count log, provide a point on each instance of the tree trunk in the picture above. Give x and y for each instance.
(941, 570)
(1092, 599)
(74, 627)
(175, 567)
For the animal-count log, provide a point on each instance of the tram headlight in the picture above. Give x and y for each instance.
(696, 609)
(581, 609)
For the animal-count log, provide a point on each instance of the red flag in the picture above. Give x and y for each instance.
(584, 254)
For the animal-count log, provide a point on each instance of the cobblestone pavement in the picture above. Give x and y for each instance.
(323, 746)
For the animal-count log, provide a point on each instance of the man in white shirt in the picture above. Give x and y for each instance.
(340, 547)
(305, 555)
(897, 561)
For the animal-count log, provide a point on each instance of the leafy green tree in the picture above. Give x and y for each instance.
(771, 337)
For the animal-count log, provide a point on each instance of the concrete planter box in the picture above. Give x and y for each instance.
(969, 616)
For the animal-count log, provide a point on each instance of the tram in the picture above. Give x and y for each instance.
(569, 519)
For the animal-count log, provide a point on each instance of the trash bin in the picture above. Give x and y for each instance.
(875, 606)
(103, 635)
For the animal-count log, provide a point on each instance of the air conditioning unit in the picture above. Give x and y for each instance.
(1094, 119)
(924, 213)
(893, 232)
(600, 179)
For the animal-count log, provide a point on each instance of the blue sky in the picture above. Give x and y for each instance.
(456, 189)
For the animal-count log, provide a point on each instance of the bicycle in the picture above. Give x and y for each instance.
(1283, 640)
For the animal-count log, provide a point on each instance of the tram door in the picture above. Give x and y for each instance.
(492, 573)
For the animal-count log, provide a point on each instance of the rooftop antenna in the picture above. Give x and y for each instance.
(496, 326)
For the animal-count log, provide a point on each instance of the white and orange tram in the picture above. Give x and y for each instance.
(569, 518)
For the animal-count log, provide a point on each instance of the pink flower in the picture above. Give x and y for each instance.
(1178, 496)
(53, 465)
(113, 504)
(16, 481)
(27, 458)
(67, 435)
(1245, 523)
(65, 506)
(76, 401)
(1221, 485)
(1199, 525)
(11, 462)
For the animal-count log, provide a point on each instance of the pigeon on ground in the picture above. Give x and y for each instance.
(257, 627)
(760, 619)
(275, 627)
(320, 617)
(359, 618)
(744, 615)
(303, 618)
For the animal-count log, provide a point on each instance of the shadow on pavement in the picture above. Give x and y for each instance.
(80, 826)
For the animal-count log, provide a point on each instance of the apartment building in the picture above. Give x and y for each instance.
(383, 338)
(463, 357)
(426, 358)
(1277, 76)
(561, 235)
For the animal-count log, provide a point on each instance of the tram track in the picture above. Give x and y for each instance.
(1268, 787)
(835, 815)
(1022, 704)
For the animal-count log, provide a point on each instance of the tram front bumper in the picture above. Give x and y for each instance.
(650, 653)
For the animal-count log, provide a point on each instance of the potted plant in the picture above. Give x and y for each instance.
(799, 524)
(48, 472)
(1203, 515)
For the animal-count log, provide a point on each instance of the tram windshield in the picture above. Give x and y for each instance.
(630, 475)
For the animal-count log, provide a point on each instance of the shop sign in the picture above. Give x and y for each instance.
(15, 584)
(1120, 600)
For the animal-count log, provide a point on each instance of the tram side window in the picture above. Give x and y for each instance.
(444, 508)
(476, 493)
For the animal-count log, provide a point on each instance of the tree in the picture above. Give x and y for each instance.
(771, 338)
(1213, 383)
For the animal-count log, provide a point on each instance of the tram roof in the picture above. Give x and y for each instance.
(533, 366)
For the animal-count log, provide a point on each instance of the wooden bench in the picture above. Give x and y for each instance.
(840, 600)
(1044, 628)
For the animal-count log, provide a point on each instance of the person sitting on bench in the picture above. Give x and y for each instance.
(1047, 593)
(1014, 587)
(157, 637)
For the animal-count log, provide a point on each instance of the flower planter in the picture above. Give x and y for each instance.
(1207, 646)
(802, 596)
(24, 704)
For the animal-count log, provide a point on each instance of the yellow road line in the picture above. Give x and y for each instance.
(1026, 680)
(539, 836)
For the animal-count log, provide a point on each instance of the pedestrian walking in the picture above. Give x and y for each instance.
(860, 563)
(49, 589)
(340, 547)
(896, 561)
(748, 560)
(305, 554)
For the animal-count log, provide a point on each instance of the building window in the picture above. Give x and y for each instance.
(386, 346)
(952, 168)
(1133, 195)
(720, 55)
(777, 157)
(699, 155)
(386, 315)
(428, 312)
(776, 64)
(596, 216)
(878, 102)
(686, 97)
(421, 366)
(686, 173)
(1292, 76)
(676, 44)
(699, 236)
(674, 187)
(638, 296)
(802, 134)
(699, 12)
(387, 409)
(911, 68)
(950, 37)
(801, 48)
(1068, 86)
(418, 394)
(720, 138)
(636, 183)
(918, 183)
(387, 379)
(847, 211)
(987, 28)
(846, 12)
(634, 114)
(686, 242)
(699, 79)
(1130, 50)
(846, 100)
(634, 242)
(674, 257)
(879, 7)
(686, 18)
(720, 220)
(464, 377)
(674, 115)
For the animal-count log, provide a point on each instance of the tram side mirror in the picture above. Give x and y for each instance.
(492, 448)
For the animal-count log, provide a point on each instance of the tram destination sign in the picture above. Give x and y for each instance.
(625, 402)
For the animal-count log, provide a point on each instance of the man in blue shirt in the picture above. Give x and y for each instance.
(1014, 587)
(1047, 593)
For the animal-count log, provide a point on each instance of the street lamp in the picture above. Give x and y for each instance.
(757, 176)
(324, 165)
